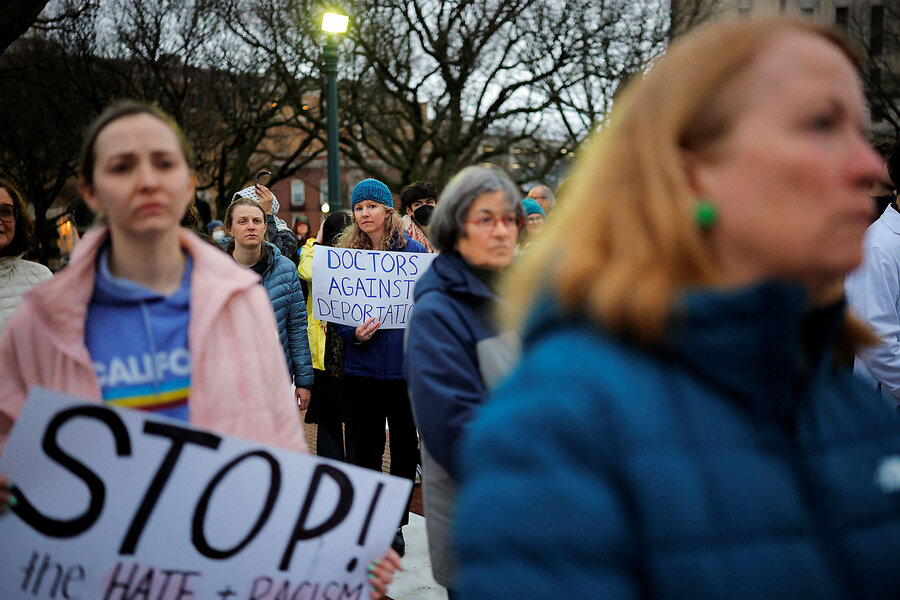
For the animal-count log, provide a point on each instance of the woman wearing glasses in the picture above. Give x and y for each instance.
(454, 353)
(373, 365)
(17, 275)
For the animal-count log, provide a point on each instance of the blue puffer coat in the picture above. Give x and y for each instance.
(382, 356)
(735, 461)
(282, 283)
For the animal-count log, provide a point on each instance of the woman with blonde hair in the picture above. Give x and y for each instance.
(373, 364)
(684, 422)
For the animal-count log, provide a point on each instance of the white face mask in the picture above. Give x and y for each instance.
(218, 234)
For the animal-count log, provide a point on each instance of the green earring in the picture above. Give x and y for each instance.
(705, 213)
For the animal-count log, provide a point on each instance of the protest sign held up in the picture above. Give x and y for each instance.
(117, 504)
(350, 286)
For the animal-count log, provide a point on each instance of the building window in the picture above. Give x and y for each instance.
(842, 17)
(807, 13)
(877, 113)
(876, 31)
(323, 191)
(298, 194)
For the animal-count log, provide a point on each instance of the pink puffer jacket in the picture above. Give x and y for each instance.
(239, 383)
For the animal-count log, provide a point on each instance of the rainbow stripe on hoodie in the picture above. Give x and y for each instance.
(137, 339)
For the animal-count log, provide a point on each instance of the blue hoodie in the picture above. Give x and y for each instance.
(138, 342)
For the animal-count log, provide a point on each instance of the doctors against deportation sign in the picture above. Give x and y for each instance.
(116, 504)
(351, 286)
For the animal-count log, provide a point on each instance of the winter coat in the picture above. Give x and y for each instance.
(283, 286)
(454, 354)
(380, 357)
(736, 460)
(16, 276)
(239, 383)
(315, 328)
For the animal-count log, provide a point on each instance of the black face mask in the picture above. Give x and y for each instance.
(423, 214)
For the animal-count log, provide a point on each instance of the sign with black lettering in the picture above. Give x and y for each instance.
(120, 505)
(351, 286)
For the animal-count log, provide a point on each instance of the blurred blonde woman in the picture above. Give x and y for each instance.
(684, 422)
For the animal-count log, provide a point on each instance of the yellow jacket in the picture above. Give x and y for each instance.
(315, 328)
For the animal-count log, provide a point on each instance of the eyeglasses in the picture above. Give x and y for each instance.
(8, 213)
(487, 223)
(535, 219)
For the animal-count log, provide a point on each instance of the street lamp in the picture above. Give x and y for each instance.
(333, 24)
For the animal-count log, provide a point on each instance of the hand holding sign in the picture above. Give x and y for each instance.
(119, 504)
(359, 287)
(364, 332)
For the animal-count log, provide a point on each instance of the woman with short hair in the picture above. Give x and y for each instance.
(684, 422)
(454, 352)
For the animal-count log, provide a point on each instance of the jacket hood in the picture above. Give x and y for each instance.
(62, 302)
(449, 272)
(762, 343)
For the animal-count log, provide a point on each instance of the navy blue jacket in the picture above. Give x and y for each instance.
(380, 357)
(452, 340)
(282, 283)
(733, 461)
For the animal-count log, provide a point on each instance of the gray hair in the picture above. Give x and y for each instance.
(449, 219)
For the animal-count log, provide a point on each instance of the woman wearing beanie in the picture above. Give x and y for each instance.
(373, 367)
(534, 222)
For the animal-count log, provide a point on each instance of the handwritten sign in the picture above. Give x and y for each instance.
(119, 505)
(351, 286)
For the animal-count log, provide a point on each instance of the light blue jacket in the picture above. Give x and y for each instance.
(282, 284)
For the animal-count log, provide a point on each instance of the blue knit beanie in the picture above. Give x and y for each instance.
(371, 189)
(532, 207)
(212, 225)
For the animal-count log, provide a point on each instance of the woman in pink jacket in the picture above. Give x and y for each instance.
(147, 315)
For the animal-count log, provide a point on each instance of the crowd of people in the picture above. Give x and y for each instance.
(678, 381)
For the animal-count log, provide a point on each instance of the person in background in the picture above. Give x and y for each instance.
(873, 289)
(373, 366)
(883, 191)
(140, 286)
(454, 352)
(245, 223)
(684, 422)
(277, 231)
(534, 221)
(328, 407)
(17, 275)
(543, 195)
(418, 201)
(301, 229)
(216, 230)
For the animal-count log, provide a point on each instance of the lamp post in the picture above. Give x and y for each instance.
(333, 24)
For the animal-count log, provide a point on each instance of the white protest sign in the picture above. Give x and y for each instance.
(119, 505)
(351, 286)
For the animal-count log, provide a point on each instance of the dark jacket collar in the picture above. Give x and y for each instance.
(449, 272)
(762, 345)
